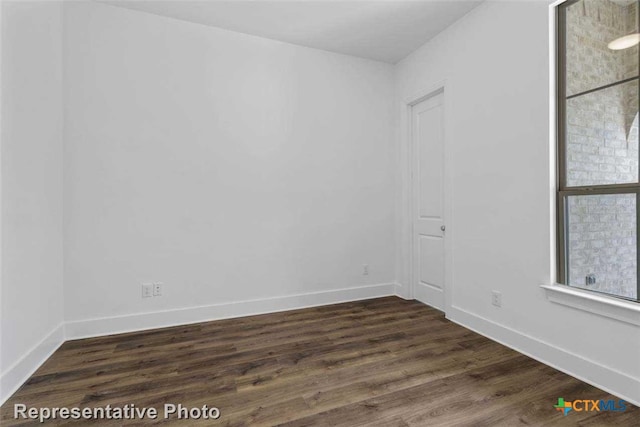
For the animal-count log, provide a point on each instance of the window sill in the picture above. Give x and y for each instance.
(624, 311)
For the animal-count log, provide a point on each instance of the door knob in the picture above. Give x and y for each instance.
(442, 227)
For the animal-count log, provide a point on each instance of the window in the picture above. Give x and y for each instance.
(598, 198)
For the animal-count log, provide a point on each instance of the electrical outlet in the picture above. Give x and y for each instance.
(496, 298)
(157, 289)
(147, 290)
(365, 269)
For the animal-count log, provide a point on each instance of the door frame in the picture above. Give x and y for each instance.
(407, 150)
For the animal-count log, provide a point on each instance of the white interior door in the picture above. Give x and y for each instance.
(427, 125)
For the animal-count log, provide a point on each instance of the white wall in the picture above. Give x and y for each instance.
(31, 188)
(496, 65)
(227, 166)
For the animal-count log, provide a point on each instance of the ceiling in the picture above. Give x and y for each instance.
(380, 30)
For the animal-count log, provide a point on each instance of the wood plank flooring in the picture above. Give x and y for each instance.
(381, 362)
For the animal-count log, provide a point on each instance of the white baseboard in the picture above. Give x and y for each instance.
(603, 377)
(16, 375)
(401, 291)
(138, 322)
(429, 295)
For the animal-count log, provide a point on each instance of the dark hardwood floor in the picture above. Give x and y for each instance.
(382, 362)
